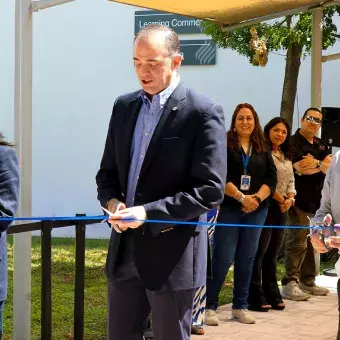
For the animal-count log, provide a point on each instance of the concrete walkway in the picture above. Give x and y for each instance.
(316, 319)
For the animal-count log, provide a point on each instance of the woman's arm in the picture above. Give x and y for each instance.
(230, 189)
(270, 180)
(263, 192)
(9, 185)
(278, 197)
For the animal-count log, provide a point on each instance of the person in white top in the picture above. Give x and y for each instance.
(264, 292)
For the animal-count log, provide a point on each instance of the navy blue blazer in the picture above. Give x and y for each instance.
(182, 178)
(9, 196)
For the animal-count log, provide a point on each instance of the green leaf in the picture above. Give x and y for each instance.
(278, 34)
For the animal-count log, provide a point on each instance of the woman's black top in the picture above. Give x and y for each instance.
(261, 168)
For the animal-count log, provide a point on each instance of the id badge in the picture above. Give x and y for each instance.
(245, 182)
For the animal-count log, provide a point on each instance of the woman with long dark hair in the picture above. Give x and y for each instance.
(251, 179)
(9, 196)
(264, 292)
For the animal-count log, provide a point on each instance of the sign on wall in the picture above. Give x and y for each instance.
(180, 24)
(198, 52)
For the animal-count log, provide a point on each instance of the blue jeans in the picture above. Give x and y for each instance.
(2, 303)
(236, 245)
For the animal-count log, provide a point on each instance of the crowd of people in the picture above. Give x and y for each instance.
(245, 175)
(285, 189)
(168, 157)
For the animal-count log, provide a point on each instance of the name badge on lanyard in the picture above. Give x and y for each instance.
(245, 179)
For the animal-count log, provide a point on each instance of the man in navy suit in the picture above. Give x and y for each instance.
(164, 159)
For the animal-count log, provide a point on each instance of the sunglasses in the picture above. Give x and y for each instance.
(313, 120)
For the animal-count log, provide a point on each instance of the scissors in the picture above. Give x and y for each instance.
(111, 214)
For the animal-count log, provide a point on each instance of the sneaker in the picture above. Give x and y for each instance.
(211, 318)
(314, 290)
(243, 316)
(291, 291)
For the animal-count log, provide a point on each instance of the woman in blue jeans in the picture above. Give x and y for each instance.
(251, 179)
(9, 195)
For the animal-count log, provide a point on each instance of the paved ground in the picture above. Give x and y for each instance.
(314, 319)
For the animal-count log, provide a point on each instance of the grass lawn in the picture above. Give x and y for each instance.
(63, 289)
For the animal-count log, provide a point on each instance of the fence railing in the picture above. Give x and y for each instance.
(46, 275)
(46, 227)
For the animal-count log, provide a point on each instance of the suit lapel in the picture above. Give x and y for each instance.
(171, 110)
(126, 137)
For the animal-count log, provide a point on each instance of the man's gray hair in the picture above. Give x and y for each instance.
(171, 37)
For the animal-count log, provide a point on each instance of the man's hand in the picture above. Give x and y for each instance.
(135, 213)
(113, 205)
(328, 158)
(334, 241)
(308, 162)
(318, 244)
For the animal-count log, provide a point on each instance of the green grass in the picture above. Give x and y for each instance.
(63, 289)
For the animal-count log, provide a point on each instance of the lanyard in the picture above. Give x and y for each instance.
(245, 158)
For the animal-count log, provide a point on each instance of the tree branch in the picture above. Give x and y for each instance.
(335, 35)
(289, 20)
(282, 22)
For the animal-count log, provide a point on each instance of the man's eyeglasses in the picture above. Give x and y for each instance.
(313, 120)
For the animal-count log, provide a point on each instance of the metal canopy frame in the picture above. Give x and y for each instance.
(23, 138)
(23, 132)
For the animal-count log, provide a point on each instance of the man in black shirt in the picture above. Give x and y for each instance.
(311, 158)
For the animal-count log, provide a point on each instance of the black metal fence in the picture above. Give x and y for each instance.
(46, 275)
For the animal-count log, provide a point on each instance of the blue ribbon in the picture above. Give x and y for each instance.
(100, 218)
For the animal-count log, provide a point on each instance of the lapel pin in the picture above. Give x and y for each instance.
(174, 108)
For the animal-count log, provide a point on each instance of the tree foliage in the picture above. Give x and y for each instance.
(278, 34)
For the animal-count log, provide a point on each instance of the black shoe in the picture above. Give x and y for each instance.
(259, 308)
(277, 306)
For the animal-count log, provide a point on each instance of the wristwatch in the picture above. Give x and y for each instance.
(319, 164)
(258, 199)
